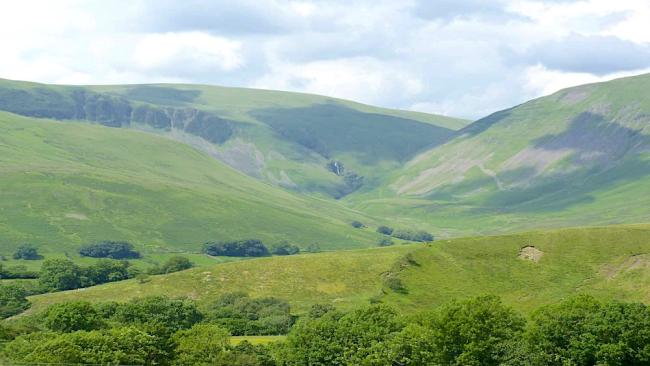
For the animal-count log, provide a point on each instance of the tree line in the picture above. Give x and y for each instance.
(580, 331)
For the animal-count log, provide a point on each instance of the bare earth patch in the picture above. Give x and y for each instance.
(530, 253)
(635, 262)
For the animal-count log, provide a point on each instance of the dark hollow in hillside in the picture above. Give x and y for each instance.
(333, 128)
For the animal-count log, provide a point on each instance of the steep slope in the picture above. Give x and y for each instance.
(66, 183)
(581, 155)
(286, 139)
(526, 270)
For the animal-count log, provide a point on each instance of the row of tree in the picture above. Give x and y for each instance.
(580, 331)
(248, 248)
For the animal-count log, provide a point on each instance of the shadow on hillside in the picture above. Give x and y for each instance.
(332, 128)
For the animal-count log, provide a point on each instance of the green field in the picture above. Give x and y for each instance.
(608, 262)
(65, 184)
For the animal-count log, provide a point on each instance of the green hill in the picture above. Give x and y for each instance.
(286, 139)
(579, 156)
(68, 183)
(526, 270)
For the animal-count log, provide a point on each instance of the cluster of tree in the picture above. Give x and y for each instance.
(284, 248)
(16, 272)
(410, 235)
(13, 300)
(243, 315)
(64, 274)
(173, 264)
(479, 331)
(109, 249)
(248, 248)
(27, 252)
(147, 331)
(357, 224)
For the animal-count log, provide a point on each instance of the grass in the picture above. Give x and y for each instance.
(608, 262)
(65, 184)
(343, 278)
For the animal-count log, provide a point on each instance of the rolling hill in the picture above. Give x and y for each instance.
(526, 270)
(68, 183)
(286, 139)
(579, 156)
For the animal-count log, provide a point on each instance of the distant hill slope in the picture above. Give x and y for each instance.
(527, 270)
(64, 184)
(579, 156)
(283, 138)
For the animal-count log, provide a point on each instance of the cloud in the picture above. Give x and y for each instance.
(598, 55)
(464, 58)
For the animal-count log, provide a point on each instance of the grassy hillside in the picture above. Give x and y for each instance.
(579, 156)
(344, 278)
(282, 138)
(609, 262)
(66, 183)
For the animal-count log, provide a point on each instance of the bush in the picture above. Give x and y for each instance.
(385, 230)
(385, 242)
(421, 236)
(27, 252)
(109, 249)
(13, 300)
(285, 248)
(357, 224)
(239, 248)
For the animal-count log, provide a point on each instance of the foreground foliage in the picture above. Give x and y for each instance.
(581, 331)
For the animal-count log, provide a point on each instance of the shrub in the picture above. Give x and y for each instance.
(238, 248)
(27, 252)
(385, 230)
(173, 264)
(357, 224)
(385, 242)
(109, 249)
(285, 248)
(421, 236)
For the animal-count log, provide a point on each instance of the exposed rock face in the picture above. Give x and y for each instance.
(112, 111)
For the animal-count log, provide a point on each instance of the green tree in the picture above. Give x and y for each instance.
(584, 331)
(13, 300)
(27, 252)
(174, 313)
(68, 317)
(385, 230)
(59, 275)
(203, 344)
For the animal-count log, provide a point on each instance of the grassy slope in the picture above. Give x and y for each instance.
(64, 184)
(272, 129)
(344, 278)
(580, 156)
(612, 262)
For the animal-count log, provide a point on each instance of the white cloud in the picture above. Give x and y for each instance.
(462, 57)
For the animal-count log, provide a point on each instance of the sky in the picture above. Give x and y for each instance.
(462, 58)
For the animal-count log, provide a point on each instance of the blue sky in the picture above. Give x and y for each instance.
(464, 58)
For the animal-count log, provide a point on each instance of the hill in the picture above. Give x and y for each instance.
(526, 270)
(579, 156)
(68, 183)
(286, 139)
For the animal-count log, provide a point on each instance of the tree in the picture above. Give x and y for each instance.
(385, 242)
(105, 270)
(237, 248)
(284, 248)
(59, 275)
(27, 252)
(203, 344)
(421, 236)
(473, 332)
(385, 230)
(173, 264)
(72, 316)
(583, 331)
(13, 300)
(173, 313)
(109, 249)
(357, 224)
